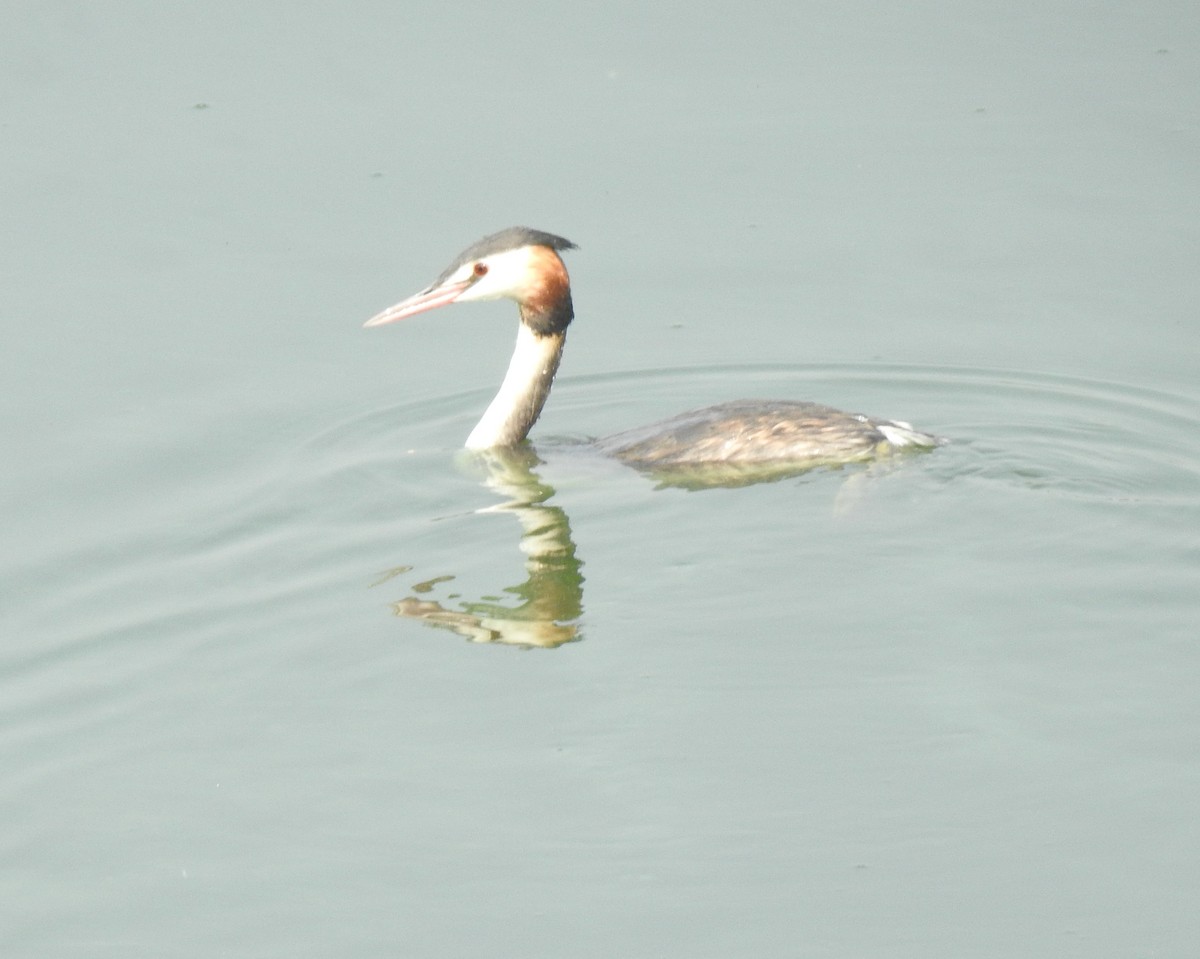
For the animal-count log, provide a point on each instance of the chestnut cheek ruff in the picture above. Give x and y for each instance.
(546, 308)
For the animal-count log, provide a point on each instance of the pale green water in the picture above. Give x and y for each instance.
(944, 709)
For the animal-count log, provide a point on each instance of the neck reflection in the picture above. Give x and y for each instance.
(550, 600)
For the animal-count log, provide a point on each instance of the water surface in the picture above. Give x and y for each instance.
(944, 708)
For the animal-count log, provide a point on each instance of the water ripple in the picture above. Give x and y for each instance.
(1067, 434)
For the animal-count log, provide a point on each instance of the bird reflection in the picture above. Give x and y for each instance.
(550, 598)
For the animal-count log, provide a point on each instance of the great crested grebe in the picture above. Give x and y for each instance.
(523, 265)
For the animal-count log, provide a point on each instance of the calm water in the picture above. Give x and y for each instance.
(270, 676)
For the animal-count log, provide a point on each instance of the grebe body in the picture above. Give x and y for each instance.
(760, 432)
(524, 265)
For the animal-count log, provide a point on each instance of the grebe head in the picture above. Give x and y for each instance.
(519, 264)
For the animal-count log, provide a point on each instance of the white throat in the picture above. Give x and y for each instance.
(511, 415)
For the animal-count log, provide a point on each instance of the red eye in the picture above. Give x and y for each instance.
(480, 269)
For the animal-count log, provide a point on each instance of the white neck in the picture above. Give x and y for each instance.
(523, 393)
